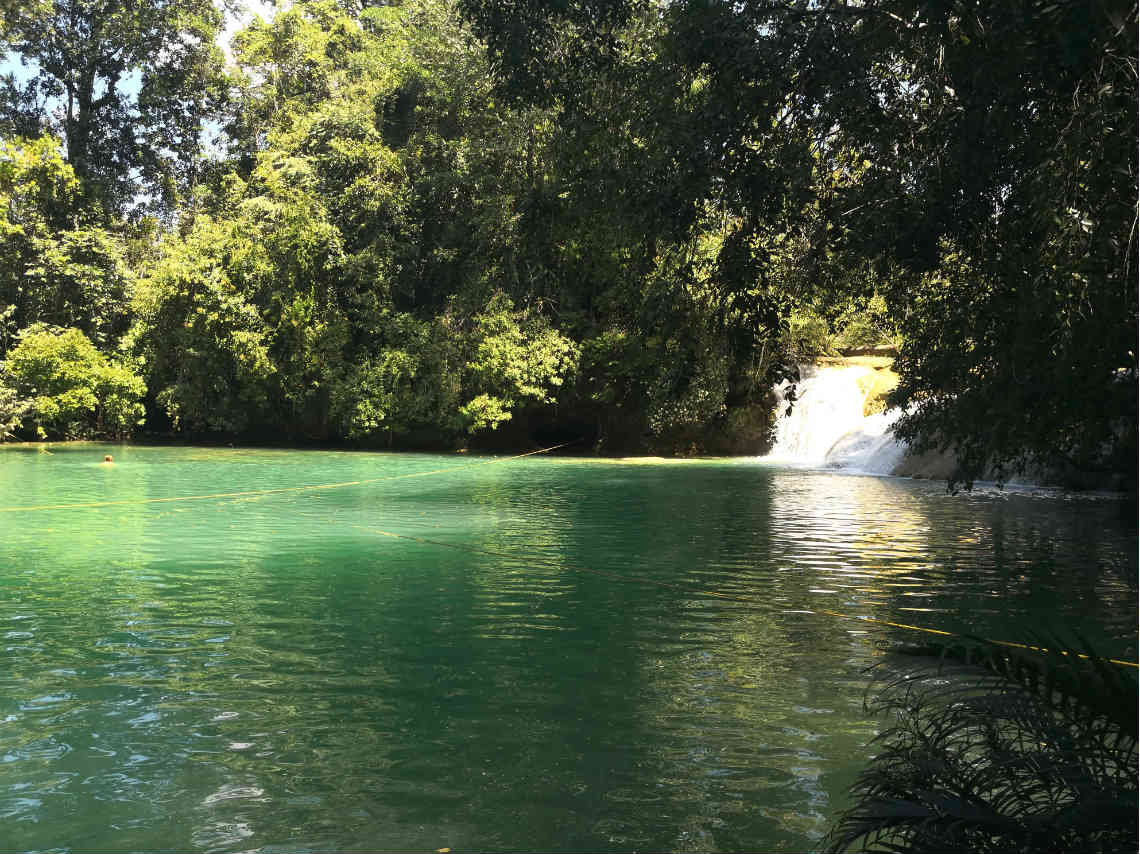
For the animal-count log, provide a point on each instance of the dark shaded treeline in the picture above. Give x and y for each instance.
(429, 222)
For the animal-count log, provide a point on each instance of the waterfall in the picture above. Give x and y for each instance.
(827, 427)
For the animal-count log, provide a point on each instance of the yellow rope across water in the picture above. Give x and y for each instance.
(641, 579)
(277, 491)
(1011, 644)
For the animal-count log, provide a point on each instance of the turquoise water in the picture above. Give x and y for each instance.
(573, 655)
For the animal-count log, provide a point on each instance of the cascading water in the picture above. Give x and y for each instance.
(827, 425)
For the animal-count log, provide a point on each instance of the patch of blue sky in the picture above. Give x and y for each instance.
(23, 71)
(242, 17)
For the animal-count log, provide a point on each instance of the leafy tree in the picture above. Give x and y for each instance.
(125, 85)
(999, 200)
(455, 375)
(988, 147)
(381, 395)
(659, 244)
(367, 219)
(516, 358)
(13, 408)
(59, 267)
(410, 382)
(204, 346)
(285, 256)
(74, 390)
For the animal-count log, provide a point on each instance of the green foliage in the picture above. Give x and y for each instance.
(807, 336)
(656, 386)
(74, 390)
(867, 326)
(995, 749)
(410, 382)
(692, 388)
(1013, 231)
(58, 268)
(204, 346)
(91, 57)
(614, 365)
(13, 408)
(370, 225)
(856, 326)
(452, 376)
(880, 148)
(516, 358)
(1009, 374)
(380, 394)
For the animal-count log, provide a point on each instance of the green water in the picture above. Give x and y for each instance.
(270, 672)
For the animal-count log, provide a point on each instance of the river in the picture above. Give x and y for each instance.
(369, 651)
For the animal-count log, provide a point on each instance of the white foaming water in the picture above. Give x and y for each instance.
(827, 427)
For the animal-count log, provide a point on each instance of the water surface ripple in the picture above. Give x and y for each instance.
(275, 673)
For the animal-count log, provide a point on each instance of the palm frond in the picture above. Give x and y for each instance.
(998, 749)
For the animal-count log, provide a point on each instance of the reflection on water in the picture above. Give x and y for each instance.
(271, 673)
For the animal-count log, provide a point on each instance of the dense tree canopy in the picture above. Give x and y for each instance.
(124, 85)
(981, 159)
(435, 219)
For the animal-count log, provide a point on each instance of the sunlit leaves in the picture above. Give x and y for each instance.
(516, 358)
(59, 266)
(73, 390)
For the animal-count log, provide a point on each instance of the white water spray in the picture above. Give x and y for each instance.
(827, 426)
